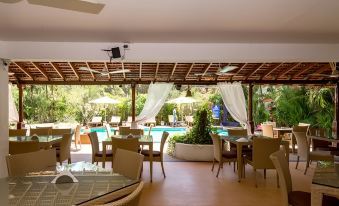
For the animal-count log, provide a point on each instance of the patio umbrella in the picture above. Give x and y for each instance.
(182, 100)
(105, 101)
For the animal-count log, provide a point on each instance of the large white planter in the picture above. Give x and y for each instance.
(193, 152)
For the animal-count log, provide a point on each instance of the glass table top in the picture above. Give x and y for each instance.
(37, 189)
(327, 174)
(40, 138)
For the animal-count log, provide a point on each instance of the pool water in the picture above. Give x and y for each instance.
(156, 132)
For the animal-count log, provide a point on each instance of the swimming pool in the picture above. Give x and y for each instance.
(156, 132)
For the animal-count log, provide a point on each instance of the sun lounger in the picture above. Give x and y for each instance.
(151, 121)
(115, 121)
(96, 122)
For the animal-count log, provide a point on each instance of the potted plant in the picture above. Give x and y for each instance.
(197, 144)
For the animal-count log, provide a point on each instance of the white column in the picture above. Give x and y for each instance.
(3, 120)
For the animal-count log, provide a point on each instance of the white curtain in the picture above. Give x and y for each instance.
(234, 99)
(156, 97)
(13, 115)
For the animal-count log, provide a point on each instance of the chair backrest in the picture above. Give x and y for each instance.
(115, 119)
(136, 131)
(130, 144)
(60, 131)
(170, 118)
(23, 147)
(65, 147)
(124, 130)
(150, 129)
(267, 130)
(128, 163)
(108, 130)
(131, 200)
(40, 131)
(262, 149)
(96, 119)
(237, 132)
(302, 143)
(17, 132)
(21, 164)
(281, 165)
(217, 147)
(163, 141)
(93, 137)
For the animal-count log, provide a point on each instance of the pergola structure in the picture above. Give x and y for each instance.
(203, 73)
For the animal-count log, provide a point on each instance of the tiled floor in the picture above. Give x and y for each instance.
(193, 183)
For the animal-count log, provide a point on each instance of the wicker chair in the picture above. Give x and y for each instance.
(17, 132)
(64, 153)
(220, 155)
(23, 147)
(40, 131)
(128, 163)
(267, 130)
(97, 155)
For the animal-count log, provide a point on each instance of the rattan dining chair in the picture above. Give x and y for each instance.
(21, 164)
(128, 163)
(158, 156)
(267, 130)
(290, 197)
(124, 130)
(260, 158)
(130, 144)
(136, 131)
(59, 132)
(304, 151)
(40, 131)
(238, 132)
(108, 130)
(23, 147)
(131, 199)
(17, 132)
(220, 155)
(97, 155)
(64, 153)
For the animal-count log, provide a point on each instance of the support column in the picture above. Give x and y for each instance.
(133, 101)
(21, 111)
(250, 107)
(335, 124)
(3, 119)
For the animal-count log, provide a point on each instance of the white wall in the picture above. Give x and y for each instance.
(175, 52)
(3, 120)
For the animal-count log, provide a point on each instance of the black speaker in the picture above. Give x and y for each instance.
(116, 53)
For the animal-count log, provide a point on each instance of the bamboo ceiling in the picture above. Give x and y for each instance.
(38, 72)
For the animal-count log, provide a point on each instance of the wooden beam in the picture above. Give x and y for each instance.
(319, 71)
(74, 70)
(24, 70)
(156, 71)
(123, 68)
(40, 70)
(206, 69)
(133, 101)
(140, 68)
(255, 70)
(21, 107)
(303, 70)
(270, 71)
(173, 70)
(109, 75)
(189, 70)
(93, 76)
(58, 70)
(258, 82)
(287, 71)
(238, 71)
(250, 107)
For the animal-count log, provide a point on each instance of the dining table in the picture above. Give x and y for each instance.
(143, 140)
(45, 141)
(95, 186)
(325, 181)
(241, 141)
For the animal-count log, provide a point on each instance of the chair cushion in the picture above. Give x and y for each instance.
(146, 153)
(108, 153)
(297, 198)
(229, 154)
